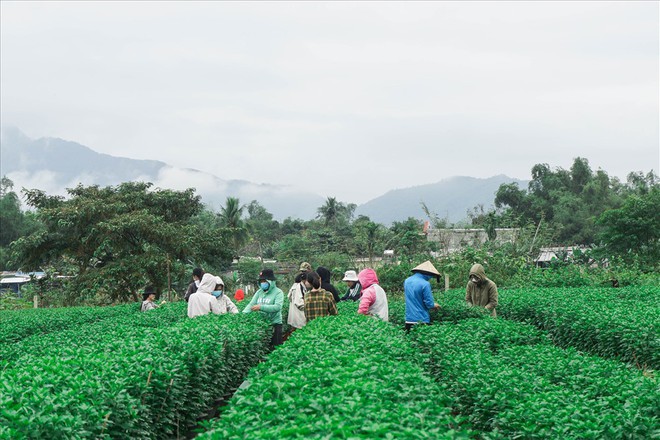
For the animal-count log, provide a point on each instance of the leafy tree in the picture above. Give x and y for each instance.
(11, 217)
(633, 231)
(570, 201)
(262, 229)
(231, 218)
(14, 223)
(640, 184)
(368, 238)
(409, 240)
(334, 212)
(119, 238)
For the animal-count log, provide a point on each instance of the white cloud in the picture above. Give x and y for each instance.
(326, 95)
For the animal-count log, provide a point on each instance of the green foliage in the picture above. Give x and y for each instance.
(11, 301)
(119, 238)
(263, 230)
(339, 377)
(570, 200)
(369, 239)
(409, 238)
(512, 383)
(17, 325)
(632, 232)
(231, 218)
(14, 223)
(11, 217)
(149, 375)
(334, 213)
(614, 323)
(248, 270)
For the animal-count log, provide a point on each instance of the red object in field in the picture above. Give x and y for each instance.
(239, 295)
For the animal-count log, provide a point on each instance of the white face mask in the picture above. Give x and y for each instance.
(197, 283)
(475, 280)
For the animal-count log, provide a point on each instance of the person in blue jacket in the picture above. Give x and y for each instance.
(419, 298)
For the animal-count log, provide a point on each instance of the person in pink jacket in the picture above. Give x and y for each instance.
(374, 300)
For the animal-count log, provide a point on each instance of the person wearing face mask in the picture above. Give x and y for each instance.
(419, 298)
(480, 291)
(202, 302)
(225, 304)
(268, 300)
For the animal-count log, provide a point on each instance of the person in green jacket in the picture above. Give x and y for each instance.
(268, 300)
(480, 291)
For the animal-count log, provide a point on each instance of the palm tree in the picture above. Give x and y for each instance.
(230, 218)
(330, 211)
(369, 234)
(334, 212)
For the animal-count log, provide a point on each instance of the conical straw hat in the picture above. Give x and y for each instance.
(428, 268)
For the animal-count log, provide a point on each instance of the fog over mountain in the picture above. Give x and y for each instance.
(53, 164)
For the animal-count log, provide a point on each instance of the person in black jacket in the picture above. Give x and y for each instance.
(325, 282)
(197, 275)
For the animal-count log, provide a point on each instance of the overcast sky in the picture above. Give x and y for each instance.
(342, 99)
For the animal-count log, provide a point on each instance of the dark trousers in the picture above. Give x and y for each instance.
(410, 325)
(277, 335)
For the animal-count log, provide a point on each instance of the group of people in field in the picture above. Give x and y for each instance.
(312, 295)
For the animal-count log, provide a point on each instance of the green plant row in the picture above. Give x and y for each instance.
(133, 381)
(345, 376)
(18, 324)
(87, 335)
(614, 323)
(511, 382)
(453, 308)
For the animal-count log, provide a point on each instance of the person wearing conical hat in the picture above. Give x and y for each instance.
(419, 298)
(481, 291)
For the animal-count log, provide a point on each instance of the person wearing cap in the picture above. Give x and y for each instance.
(296, 296)
(197, 274)
(305, 267)
(480, 291)
(354, 292)
(318, 301)
(148, 298)
(268, 300)
(225, 304)
(418, 295)
(202, 302)
(325, 275)
(374, 300)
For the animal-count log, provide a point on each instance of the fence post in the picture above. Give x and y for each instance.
(35, 301)
(446, 282)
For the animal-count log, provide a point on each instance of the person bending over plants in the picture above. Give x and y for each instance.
(481, 291)
(318, 301)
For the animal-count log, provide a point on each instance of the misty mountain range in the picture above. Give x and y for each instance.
(53, 164)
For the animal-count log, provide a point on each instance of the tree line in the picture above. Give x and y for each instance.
(117, 239)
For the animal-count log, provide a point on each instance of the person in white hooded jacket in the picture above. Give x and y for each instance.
(226, 305)
(203, 302)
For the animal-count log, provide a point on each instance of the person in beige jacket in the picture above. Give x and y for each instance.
(481, 291)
